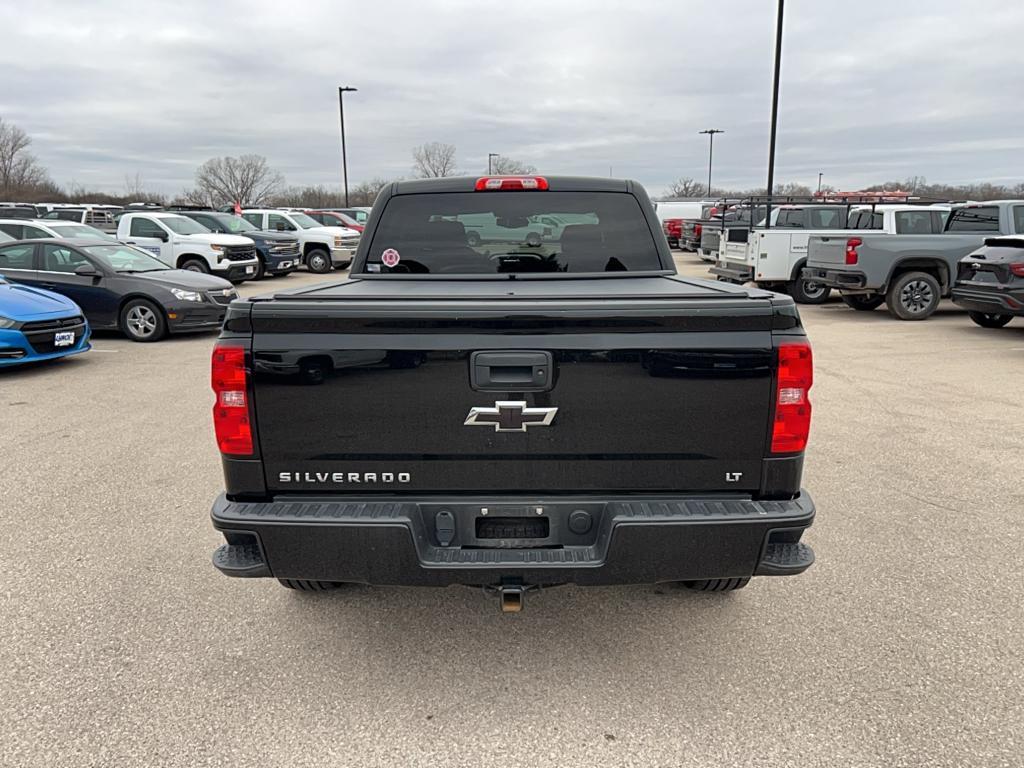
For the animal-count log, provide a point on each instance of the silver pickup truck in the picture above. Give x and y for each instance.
(909, 273)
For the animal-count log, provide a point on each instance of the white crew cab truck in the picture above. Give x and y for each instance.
(773, 258)
(181, 243)
(322, 247)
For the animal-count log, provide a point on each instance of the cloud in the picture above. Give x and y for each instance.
(869, 92)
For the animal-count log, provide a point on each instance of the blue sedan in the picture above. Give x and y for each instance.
(38, 325)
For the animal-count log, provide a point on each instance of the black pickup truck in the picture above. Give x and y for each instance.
(524, 413)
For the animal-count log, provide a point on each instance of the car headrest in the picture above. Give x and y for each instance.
(577, 236)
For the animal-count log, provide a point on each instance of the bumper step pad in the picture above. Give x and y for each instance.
(785, 560)
(240, 560)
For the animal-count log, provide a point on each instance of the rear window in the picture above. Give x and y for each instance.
(1018, 219)
(918, 222)
(513, 232)
(975, 219)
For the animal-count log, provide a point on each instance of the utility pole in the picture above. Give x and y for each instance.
(344, 159)
(711, 151)
(775, 113)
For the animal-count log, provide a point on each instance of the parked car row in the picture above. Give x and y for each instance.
(160, 271)
(907, 255)
(976, 259)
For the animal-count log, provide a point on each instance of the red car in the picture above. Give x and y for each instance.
(335, 219)
(673, 231)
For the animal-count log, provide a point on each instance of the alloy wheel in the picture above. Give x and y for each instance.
(916, 296)
(142, 321)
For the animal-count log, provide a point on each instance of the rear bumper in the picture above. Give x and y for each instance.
(836, 278)
(433, 542)
(994, 300)
(732, 273)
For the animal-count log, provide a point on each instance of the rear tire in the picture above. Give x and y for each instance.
(302, 585)
(809, 292)
(319, 261)
(717, 585)
(863, 302)
(913, 296)
(989, 320)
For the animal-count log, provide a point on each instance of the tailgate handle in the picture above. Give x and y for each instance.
(511, 371)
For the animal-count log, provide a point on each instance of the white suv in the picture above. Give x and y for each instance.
(322, 247)
(181, 243)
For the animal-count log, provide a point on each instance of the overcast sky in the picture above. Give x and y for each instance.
(871, 91)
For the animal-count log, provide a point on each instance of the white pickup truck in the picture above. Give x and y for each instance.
(322, 247)
(181, 243)
(774, 258)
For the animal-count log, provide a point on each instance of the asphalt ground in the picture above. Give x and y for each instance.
(121, 646)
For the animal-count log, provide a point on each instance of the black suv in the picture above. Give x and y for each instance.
(278, 252)
(990, 282)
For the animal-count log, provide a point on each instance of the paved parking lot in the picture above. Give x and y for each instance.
(120, 645)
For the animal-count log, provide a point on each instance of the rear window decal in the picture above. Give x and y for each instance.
(390, 258)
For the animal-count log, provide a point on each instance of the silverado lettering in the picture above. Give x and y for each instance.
(344, 477)
(682, 405)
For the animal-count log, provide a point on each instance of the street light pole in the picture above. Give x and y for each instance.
(344, 158)
(775, 114)
(819, 182)
(711, 151)
(491, 156)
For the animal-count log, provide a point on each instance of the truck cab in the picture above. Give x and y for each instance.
(181, 243)
(322, 248)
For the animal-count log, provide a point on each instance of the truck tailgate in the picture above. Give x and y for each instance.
(663, 391)
(827, 250)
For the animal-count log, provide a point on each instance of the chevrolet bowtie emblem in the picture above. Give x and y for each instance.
(510, 416)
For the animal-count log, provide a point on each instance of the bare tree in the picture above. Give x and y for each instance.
(365, 192)
(192, 197)
(433, 160)
(685, 187)
(247, 179)
(134, 186)
(506, 166)
(20, 171)
(792, 189)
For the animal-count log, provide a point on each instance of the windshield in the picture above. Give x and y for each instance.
(79, 230)
(506, 232)
(235, 224)
(182, 225)
(304, 221)
(123, 258)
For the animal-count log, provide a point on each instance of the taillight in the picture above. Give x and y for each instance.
(505, 183)
(231, 411)
(1018, 269)
(792, 407)
(851, 249)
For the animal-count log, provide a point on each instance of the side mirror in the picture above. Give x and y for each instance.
(86, 270)
(160, 235)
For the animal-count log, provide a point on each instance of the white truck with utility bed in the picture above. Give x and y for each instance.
(774, 257)
(181, 243)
